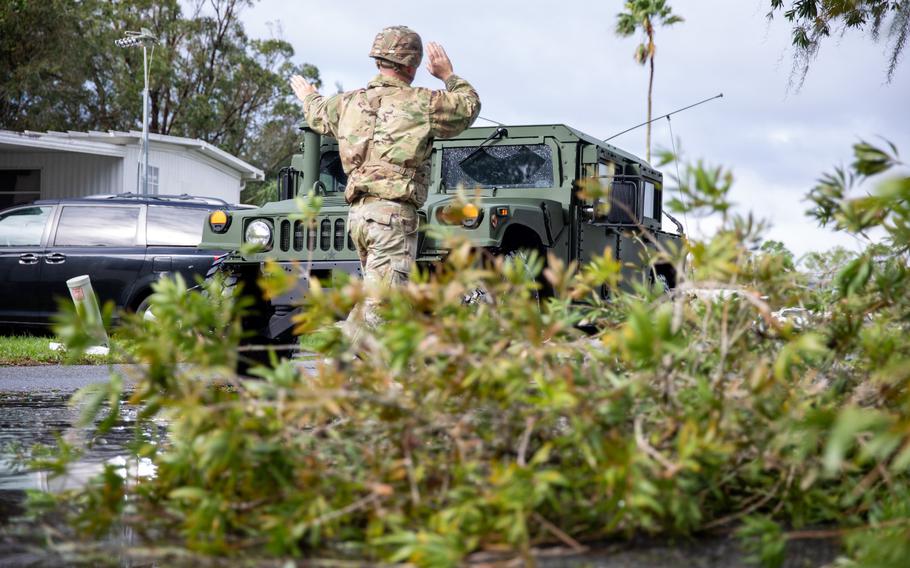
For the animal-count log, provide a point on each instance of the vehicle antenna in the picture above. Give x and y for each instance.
(497, 123)
(678, 183)
(663, 116)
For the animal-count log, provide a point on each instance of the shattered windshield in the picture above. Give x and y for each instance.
(529, 165)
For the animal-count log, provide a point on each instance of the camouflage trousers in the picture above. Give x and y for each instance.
(385, 234)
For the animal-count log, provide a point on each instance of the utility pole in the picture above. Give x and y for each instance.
(143, 38)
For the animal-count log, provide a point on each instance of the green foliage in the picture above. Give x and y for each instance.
(60, 70)
(501, 426)
(814, 20)
(764, 540)
(645, 15)
(259, 193)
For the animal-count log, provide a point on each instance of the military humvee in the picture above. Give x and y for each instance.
(524, 181)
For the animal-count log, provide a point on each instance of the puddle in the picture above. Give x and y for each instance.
(29, 419)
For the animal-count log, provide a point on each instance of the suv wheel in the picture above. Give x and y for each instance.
(144, 308)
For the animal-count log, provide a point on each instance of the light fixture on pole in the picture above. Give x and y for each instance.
(143, 38)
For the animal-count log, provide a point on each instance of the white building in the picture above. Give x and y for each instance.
(51, 165)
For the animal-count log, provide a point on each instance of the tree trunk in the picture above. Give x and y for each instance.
(650, 88)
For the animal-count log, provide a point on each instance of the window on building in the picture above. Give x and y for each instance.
(175, 226)
(23, 227)
(153, 179)
(97, 226)
(19, 186)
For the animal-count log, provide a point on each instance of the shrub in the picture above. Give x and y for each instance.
(499, 425)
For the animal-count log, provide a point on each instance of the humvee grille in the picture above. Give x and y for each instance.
(285, 235)
(325, 234)
(311, 238)
(298, 235)
(338, 241)
(329, 236)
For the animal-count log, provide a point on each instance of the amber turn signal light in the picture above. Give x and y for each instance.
(219, 221)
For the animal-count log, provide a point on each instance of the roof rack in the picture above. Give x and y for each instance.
(182, 197)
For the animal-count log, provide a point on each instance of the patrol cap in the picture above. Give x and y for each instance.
(398, 44)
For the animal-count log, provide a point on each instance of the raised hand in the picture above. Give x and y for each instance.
(301, 87)
(438, 63)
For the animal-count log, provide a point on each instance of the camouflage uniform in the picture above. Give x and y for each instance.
(385, 135)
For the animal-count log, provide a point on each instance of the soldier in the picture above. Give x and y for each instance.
(385, 135)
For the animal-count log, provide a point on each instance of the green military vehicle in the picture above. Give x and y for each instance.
(522, 181)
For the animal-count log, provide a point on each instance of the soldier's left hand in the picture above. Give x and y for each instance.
(301, 87)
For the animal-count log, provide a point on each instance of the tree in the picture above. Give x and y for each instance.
(42, 66)
(814, 20)
(644, 15)
(60, 70)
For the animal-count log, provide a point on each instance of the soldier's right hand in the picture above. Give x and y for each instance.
(438, 63)
(301, 87)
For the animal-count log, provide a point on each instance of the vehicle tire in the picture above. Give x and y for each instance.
(144, 309)
(247, 360)
(481, 295)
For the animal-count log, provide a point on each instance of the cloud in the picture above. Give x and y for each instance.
(532, 64)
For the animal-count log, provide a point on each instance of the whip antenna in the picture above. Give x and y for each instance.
(663, 116)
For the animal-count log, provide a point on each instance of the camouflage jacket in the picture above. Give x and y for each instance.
(385, 132)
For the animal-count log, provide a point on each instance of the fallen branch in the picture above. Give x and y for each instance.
(559, 533)
(530, 421)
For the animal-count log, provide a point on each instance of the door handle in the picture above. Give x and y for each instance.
(55, 258)
(28, 258)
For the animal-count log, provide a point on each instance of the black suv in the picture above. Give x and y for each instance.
(123, 242)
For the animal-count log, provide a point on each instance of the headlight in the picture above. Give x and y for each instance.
(472, 216)
(259, 232)
(467, 215)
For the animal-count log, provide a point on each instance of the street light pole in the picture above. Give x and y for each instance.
(134, 39)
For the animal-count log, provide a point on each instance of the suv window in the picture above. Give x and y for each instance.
(97, 226)
(23, 227)
(174, 226)
(528, 165)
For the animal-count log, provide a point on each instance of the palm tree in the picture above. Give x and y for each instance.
(645, 15)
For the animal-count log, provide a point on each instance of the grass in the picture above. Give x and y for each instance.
(23, 350)
(28, 350)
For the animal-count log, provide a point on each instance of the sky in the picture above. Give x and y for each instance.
(538, 62)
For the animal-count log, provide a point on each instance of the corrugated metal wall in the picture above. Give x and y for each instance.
(69, 174)
(188, 171)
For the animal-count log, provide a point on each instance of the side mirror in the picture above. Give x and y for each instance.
(287, 183)
(625, 203)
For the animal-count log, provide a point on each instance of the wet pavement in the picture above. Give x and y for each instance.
(56, 378)
(29, 419)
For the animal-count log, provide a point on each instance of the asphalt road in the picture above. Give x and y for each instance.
(56, 378)
(70, 378)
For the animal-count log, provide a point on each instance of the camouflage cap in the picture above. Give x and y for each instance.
(398, 44)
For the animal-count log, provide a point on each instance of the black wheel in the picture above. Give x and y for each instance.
(481, 295)
(247, 360)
